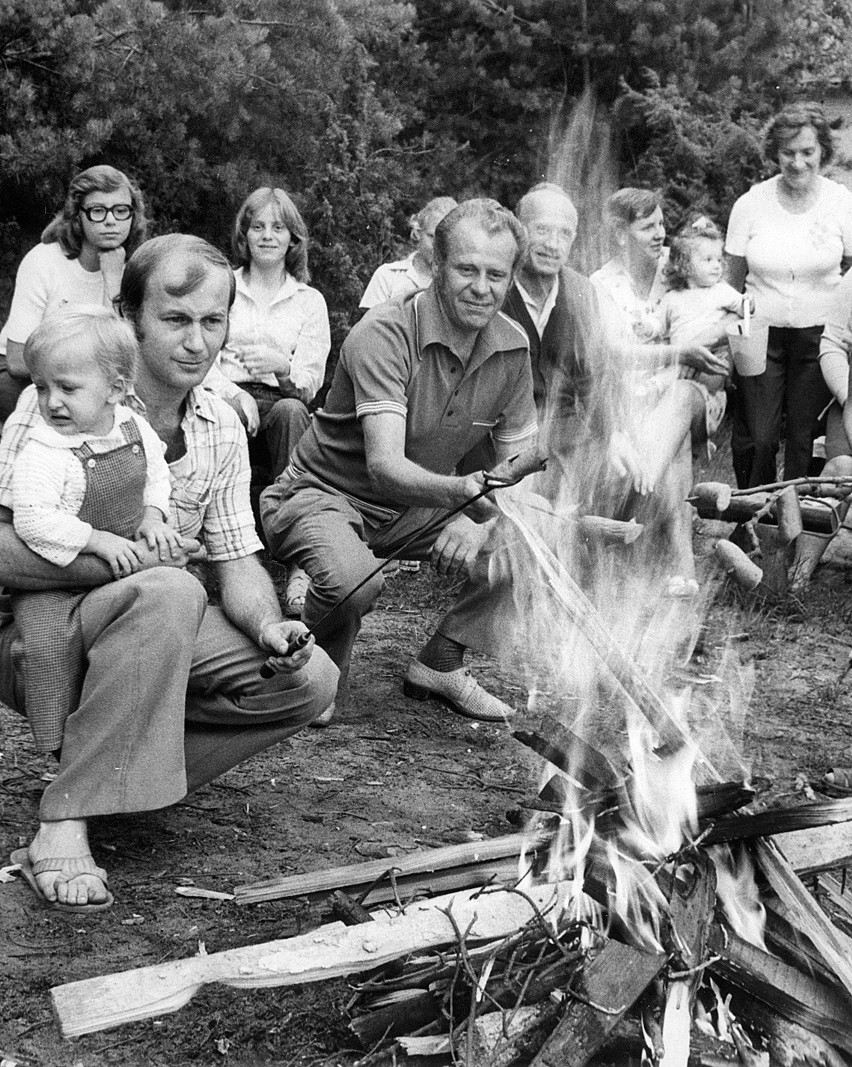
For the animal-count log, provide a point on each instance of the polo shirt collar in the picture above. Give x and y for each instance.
(500, 335)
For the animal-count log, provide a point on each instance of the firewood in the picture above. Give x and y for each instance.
(613, 979)
(569, 752)
(790, 1045)
(823, 1009)
(410, 1010)
(782, 821)
(809, 918)
(328, 952)
(818, 849)
(348, 910)
(359, 876)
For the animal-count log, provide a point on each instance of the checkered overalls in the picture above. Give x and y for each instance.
(50, 621)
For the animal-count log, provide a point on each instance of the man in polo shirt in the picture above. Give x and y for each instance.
(417, 386)
(172, 695)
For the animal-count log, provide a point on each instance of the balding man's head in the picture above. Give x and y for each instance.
(195, 257)
(550, 220)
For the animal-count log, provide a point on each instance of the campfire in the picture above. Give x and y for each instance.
(650, 910)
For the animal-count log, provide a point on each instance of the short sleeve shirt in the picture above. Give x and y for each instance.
(399, 360)
(210, 483)
(793, 259)
(394, 281)
(46, 282)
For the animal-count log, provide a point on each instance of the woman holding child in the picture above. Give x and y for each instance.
(80, 260)
(674, 398)
(789, 240)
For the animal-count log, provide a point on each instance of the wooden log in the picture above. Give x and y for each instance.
(359, 876)
(328, 952)
(349, 911)
(409, 1010)
(569, 752)
(823, 1009)
(806, 914)
(819, 848)
(816, 516)
(782, 821)
(614, 978)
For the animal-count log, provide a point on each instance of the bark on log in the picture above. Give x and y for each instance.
(781, 821)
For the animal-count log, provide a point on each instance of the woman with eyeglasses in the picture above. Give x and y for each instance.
(80, 260)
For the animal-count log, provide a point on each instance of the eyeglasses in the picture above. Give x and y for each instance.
(97, 213)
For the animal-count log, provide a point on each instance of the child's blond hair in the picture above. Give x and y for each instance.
(114, 345)
(699, 227)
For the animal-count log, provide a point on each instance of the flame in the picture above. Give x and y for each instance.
(738, 894)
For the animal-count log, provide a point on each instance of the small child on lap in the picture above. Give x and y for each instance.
(91, 478)
(699, 307)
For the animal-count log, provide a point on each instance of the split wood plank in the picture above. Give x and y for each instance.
(328, 952)
(614, 979)
(360, 875)
(782, 822)
(822, 1009)
(804, 912)
(818, 849)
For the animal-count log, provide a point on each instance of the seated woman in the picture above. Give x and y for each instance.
(665, 414)
(404, 277)
(278, 343)
(80, 260)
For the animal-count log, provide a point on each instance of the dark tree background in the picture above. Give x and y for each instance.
(364, 109)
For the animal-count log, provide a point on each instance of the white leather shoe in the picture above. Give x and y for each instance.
(459, 689)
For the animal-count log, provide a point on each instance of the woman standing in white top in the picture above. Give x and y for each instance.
(278, 340)
(80, 261)
(789, 239)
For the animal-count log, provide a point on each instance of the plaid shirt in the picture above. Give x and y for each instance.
(210, 483)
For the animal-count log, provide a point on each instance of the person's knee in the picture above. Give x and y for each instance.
(330, 588)
(173, 596)
(838, 467)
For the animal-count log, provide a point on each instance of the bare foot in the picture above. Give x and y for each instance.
(66, 840)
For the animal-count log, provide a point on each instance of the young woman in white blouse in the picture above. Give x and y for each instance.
(80, 260)
(278, 341)
(789, 240)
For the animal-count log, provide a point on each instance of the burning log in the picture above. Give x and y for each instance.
(822, 813)
(822, 1009)
(610, 984)
(811, 920)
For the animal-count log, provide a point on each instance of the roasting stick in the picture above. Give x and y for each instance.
(505, 474)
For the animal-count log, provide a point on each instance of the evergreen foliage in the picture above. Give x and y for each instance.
(364, 109)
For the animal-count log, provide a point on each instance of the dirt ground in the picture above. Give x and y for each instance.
(391, 776)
